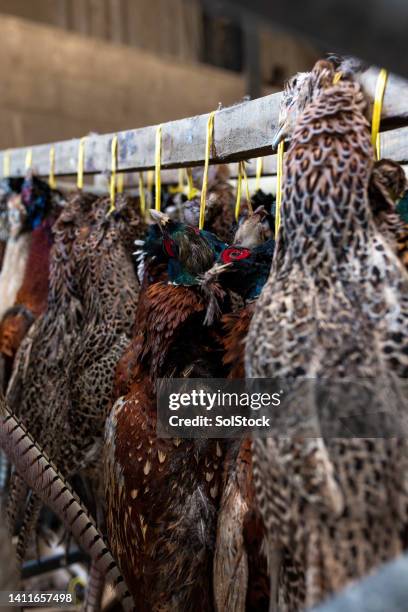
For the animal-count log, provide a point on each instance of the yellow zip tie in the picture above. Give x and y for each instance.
(378, 103)
(157, 167)
(179, 188)
(337, 77)
(279, 176)
(180, 185)
(121, 182)
(29, 159)
(51, 179)
(6, 164)
(259, 168)
(142, 195)
(208, 145)
(239, 192)
(242, 174)
(248, 196)
(114, 163)
(191, 190)
(81, 163)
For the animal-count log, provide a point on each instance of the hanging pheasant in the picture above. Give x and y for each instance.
(38, 387)
(335, 307)
(162, 494)
(387, 186)
(241, 580)
(31, 298)
(8, 187)
(83, 358)
(109, 297)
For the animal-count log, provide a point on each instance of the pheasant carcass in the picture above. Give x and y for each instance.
(335, 307)
(163, 494)
(31, 298)
(38, 387)
(8, 187)
(99, 284)
(387, 186)
(15, 254)
(240, 571)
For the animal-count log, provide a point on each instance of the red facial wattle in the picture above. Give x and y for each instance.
(232, 254)
(170, 247)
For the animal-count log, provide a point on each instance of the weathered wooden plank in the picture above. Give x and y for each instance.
(394, 145)
(395, 104)
(241, 131)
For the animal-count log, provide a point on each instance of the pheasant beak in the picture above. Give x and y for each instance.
(160, 218)
(280, 134)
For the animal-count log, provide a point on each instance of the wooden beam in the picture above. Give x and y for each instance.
(241, 131)
(394, 145)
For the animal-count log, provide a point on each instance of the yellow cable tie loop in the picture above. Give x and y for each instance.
(259, 168)
(208, 146)
(81, 163)
(378, 104)
(239, 192)
(121, 182)
(279, 177)
(248, 195)
(180, 185)
(191, 191)
(51, 179)
(6, 164)
(337, 77)
(179, 188)
(29, 159)
(76, 580)
(157, 167)
(114, 163)
(142, 195)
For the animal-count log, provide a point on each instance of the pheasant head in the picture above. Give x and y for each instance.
(299, 91)
(188, 251)
(251, 232)
(36, 197)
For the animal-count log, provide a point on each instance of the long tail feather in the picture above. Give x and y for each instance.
(27, 529)
(94, 592)
(42, 476)
(16, 500)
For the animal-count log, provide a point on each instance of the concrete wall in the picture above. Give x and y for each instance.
(57, 85)
(167, 27)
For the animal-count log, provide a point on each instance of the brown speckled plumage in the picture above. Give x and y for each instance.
(64, 373)
(387, 186)
(335, 306)
(163, 494)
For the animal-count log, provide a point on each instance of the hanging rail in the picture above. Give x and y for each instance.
(241, 132)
